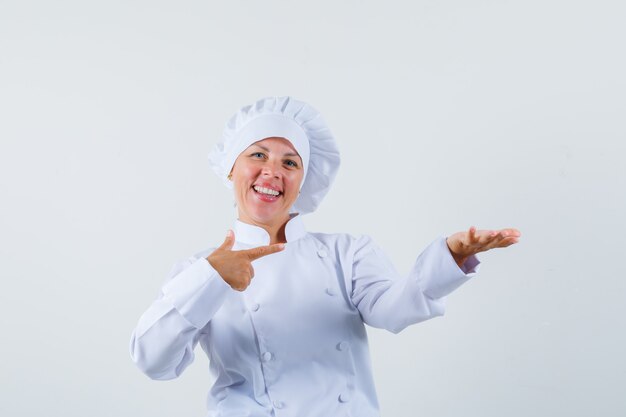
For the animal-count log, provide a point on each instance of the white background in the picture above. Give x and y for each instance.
(448, 114)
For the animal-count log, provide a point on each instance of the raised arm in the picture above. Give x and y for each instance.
(387, 300)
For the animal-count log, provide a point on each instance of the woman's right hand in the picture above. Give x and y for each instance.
(235, 266)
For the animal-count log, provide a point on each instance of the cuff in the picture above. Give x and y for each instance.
(438, 271)
(197, 292)
(471, 265)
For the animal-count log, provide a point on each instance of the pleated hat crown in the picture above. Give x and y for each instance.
(295, 121)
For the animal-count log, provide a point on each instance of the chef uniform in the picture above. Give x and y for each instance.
(294, 342)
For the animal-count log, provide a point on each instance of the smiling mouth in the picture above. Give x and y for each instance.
(266, 191)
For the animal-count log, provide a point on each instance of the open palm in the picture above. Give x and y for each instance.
(465, 244)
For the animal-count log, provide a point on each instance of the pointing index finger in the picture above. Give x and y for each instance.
(259, 252)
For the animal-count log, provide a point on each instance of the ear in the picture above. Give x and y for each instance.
(230, 174)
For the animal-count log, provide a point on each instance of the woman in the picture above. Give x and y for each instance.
(280, 311)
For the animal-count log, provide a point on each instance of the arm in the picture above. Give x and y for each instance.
(162, 344)
(387, 300)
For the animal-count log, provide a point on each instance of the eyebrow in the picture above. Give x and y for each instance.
(287, 154)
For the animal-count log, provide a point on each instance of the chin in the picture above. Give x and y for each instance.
(266, 215)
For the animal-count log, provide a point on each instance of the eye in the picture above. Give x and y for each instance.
(258, 153)
(292, 163)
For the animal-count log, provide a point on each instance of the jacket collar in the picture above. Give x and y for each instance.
(251, 234)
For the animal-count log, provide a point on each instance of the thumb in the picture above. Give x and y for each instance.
(229, 241)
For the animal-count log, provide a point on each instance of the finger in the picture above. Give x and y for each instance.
(509, 241)
(472, 234)
(503, 243)
(485, 237)
(501, 239)
(251, 272)
(229, 241)
(259, 252)
(478, 236)
(488, 239)
(496, 236)
(492, 239)
(510, 232)
(514, 232)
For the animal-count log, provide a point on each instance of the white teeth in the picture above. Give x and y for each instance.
(265, 190)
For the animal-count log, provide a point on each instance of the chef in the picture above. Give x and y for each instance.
(281, 311)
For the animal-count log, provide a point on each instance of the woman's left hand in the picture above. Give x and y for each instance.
(462, 245)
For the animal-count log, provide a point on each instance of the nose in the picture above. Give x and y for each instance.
(271, 170)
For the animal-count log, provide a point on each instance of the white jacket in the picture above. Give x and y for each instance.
(294, 342)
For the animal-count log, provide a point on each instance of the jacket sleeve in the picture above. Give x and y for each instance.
(389, 301)
(162, 344)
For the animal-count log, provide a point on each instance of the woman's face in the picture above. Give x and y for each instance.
(266, 178)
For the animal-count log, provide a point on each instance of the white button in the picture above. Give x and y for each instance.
(278, 404)
(267, 356)
(330, 291)
(344, 397)
(255, 307)
(322, 253)
(343, 346)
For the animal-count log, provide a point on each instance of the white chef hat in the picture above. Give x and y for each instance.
(293, 120)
